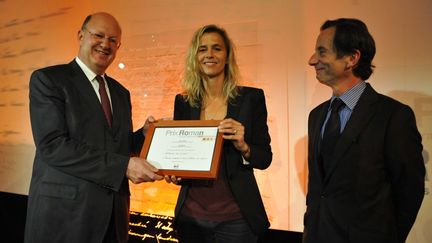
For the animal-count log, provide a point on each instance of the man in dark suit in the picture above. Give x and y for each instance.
(366, 171)
(84, 142)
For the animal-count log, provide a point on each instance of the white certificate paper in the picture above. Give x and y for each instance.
(183, 148)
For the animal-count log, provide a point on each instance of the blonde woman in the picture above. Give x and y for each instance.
(230, 208)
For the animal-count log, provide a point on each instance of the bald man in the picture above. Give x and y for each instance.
(82, 128)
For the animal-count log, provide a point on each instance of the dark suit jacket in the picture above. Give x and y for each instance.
(79, 168)
(375, 187)
(249, 109)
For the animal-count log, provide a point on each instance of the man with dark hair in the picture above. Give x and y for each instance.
(366, 170)
(82, 127)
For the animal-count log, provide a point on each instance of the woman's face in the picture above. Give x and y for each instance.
(212, 55)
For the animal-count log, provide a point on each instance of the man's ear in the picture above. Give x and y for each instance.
(80, 35)
(352, 59)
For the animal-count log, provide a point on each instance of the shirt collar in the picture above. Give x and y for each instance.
(87, 71)
(351, 97)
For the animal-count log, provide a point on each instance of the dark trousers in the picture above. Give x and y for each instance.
(202, 231)
(110, 235)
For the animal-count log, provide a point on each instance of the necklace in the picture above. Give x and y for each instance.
(216, 109)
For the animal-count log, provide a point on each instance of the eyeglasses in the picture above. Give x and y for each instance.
(101, 37)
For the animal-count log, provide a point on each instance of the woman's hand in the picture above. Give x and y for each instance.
(234, 131)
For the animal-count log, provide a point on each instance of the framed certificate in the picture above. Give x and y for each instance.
(184, 148)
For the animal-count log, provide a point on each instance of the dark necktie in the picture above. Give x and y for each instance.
(331, 134)
(104, 100)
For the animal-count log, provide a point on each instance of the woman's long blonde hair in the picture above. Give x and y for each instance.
(193, 84)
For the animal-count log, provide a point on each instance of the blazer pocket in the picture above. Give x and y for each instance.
(57, 190)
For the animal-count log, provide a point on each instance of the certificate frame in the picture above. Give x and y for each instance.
(152, 137)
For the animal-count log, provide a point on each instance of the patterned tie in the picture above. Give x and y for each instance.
(331, 134)
(104, 100)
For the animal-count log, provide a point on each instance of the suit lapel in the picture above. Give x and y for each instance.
(316, 140)
(88, 94)
(117, 107)
(361, 116)
(234, 107)
(233, 111)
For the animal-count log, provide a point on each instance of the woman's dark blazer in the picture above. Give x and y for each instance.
(250, 110)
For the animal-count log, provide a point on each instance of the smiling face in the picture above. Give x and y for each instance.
(99, 42)
(212, 55)
(330, 70)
